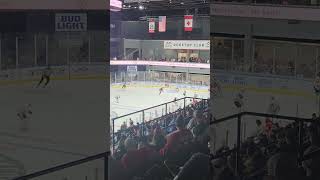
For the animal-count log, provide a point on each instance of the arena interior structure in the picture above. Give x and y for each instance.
(265, 106)
(163, 68)
(71, 38)
(263, 115)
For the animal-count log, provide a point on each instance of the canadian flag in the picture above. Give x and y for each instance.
(188, 22)
(152, 25)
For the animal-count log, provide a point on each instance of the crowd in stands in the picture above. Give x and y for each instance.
(159, 148)
(181, 152)
(283, 2)
(175, 147)
(273, 153)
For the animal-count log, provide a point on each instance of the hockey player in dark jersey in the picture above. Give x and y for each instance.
(45, 76)
(184, 93)
(160, 90)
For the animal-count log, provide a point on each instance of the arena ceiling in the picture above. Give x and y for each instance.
(156, 5)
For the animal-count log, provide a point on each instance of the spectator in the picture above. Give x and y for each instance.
(197, 115)
(136, 161)
(312, 165)
(283, 165)
(123, 126)
(177, 138)
(158, 139)
(196, 168)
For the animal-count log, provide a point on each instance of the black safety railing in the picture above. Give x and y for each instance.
(166, 112)
(239, 117)
(103, 156)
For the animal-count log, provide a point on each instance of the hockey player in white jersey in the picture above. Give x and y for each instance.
(117, 99)
(24, 113)
(274, 106)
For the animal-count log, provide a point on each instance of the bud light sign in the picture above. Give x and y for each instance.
(71, 22)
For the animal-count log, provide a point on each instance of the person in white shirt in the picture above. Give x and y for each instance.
(274, 106)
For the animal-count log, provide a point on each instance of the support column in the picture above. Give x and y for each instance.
(35, 50)
(47, 50)
(253, 52)
(17, 52)
(274, 60)
(248, 47)
(317, 59)
(232, 55)
(89, 49)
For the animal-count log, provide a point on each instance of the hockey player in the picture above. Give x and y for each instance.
(238, 100)
(185, 93)
(24, 114)
(46, 73)
(160, 90)
(273, 107)
(117, 99)
(124, 86)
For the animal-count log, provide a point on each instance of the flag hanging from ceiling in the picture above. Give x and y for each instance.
(188, 22)
(152, 25)
(162, 23)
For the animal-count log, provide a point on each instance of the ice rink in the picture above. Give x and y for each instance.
(141, 95)
(67, 116)
(65, 125)
(291, 104)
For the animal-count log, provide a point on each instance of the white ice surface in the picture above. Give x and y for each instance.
(69, 122)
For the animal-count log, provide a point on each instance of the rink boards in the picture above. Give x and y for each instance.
(74, 71)
(172, 86)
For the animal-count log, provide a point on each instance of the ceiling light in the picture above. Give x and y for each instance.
(141, 7)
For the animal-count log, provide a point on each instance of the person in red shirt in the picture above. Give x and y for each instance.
(138, 160)
(178, 138)
(268, 126)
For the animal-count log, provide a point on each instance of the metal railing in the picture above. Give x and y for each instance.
(103, 156)
(239, 117)
(142, 115)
